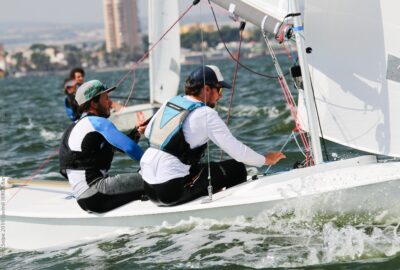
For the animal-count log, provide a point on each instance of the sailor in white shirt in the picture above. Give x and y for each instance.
(178, 134)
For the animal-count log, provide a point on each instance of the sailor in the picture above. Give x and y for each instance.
(178, 135)
(75, 79)
(87, 150)
(78, 75)
(71, 107)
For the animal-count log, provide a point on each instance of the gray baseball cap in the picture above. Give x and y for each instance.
(90, 89)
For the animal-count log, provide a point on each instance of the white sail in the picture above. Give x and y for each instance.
(164, 60)
(275, 8)
(268, 13)
(355, 71)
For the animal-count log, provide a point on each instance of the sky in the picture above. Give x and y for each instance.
(51, 11)
(61, 11)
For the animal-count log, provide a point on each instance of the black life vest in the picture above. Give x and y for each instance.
(95, 156)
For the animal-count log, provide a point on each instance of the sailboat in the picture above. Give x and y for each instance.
(350, 89)
(164, 68)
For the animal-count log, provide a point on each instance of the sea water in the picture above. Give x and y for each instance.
(32, 120)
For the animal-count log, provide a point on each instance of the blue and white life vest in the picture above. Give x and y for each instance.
(166, 131)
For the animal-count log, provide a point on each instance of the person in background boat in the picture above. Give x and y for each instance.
(71, 107)
(87, 150)
(78, 75)
(76, 79)
(178, 135)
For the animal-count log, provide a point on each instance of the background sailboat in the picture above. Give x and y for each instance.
(164, 65)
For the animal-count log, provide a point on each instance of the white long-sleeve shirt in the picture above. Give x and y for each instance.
(201, 125)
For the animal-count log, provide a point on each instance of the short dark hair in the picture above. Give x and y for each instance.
(74, 70)
(85, 106)
(192, 88)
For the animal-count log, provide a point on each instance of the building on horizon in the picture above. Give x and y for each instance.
(3, 65)
(121, 24)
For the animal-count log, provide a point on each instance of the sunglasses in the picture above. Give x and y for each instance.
(219, 89)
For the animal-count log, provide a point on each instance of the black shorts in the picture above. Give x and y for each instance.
(176, 191)
(111, 192)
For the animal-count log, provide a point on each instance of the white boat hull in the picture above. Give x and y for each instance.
(356, 185)
(126, 118)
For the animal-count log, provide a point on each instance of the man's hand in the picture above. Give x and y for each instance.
(273, 158)
(141, 128)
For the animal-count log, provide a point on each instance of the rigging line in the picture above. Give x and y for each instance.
(283, 147)
(33, 174)
(298, 145)
(230, 54)
(288, 96)
(146, 54)
(133, 98)
(319, 120)
(242, 25)
(209, 187)
(132, 88)
(286, 91)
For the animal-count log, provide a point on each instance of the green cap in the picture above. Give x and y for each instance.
(89, 90)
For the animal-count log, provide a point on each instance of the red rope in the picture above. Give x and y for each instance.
(234, 80)
(233, 85)
(33, 174)
(290, 101)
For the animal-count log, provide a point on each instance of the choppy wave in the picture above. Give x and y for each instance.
(50, 175)
(50, 135)
(275, 238)
(29, 126)
(252, 110)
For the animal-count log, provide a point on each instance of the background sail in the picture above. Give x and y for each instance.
(355, 72)
(164, 60)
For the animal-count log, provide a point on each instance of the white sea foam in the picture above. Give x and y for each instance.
(50, 135)
(252, 110)
(276, 238)
(30, 125)
(25, 126)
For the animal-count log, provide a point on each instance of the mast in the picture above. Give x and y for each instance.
(308, 93)
(258, 13)
(151, 57)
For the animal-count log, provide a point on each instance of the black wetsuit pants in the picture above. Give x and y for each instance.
(180, 190)
(111, 192)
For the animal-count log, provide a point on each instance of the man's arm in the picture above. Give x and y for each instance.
(220, 134)
(116, 138)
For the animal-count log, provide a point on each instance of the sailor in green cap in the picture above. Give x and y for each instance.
(87, 150)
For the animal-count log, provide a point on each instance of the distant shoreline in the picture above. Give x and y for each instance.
(123, 68)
